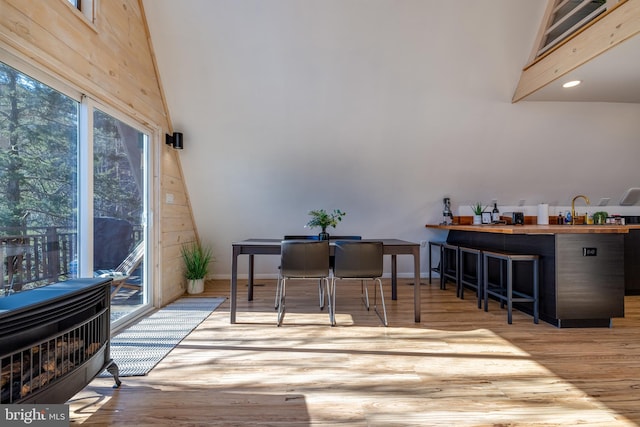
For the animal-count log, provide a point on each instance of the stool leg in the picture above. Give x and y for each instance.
(509, 290)
(535, 291)
(502, 281)
(457, 276)
(444, 265)
(460, 286)
(430, 265)
(485, 276)
(479, 279)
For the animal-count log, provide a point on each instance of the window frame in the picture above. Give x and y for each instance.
(85, 169)
(84, 8)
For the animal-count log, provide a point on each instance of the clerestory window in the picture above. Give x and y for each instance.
(566, 17)
(86, 7)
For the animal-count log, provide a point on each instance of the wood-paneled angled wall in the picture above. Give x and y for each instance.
(112, 61)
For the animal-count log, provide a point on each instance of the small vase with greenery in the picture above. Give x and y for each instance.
(321, 218)
(477, 213)
(196, 262)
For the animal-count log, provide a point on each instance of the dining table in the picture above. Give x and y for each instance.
(257, 246)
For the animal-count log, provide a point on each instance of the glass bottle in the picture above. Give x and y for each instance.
(495, 213)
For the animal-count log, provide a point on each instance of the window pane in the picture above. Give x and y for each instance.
(119, 206)
(38, 182)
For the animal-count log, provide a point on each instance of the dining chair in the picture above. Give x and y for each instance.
(358, 260)
(302, 260)
(321, 293)
(337, 238)
(320, 287)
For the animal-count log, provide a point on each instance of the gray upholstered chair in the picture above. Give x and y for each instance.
(302, 260)
(358, 260)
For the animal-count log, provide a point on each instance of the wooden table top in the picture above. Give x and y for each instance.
(540, 229)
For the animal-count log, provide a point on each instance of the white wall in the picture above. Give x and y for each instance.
(379, 108)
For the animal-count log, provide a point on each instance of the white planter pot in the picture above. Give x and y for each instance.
(195, 286)
(477, 219)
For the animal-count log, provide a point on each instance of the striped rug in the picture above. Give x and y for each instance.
(140, 347)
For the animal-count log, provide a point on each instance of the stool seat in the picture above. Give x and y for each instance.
(504, 292)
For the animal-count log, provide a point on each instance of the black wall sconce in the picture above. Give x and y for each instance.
(175, 141)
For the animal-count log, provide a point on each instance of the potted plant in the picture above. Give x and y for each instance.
(477, 213)
(323, 219)
(196, 262)
(600, 217)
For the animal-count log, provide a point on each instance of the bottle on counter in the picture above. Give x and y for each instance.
(495, 213)
(568, 217)
(560, 219)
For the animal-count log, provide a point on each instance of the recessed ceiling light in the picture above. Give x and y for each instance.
(572, 83)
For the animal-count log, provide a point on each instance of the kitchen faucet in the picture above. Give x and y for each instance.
(573, 207)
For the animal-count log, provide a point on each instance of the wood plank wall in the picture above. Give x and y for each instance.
(110, 60)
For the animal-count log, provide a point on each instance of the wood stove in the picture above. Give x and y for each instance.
(54, 340)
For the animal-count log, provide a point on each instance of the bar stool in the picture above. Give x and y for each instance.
(437, 268)
(504, 292)
(450, 262)
(472, 279)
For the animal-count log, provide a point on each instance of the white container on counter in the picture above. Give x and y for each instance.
(543, 213)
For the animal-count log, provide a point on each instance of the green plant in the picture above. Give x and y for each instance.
(600, 217)
(196, 260)
(323, 219)
(478, 209)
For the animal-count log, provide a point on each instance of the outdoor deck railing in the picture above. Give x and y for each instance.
(36, 256)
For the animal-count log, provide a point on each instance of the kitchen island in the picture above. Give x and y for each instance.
(582, 280)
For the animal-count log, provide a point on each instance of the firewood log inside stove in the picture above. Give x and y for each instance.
(41, 364)
(92, 348)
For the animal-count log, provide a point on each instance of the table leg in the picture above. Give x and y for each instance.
(416, 287)
(234, 284)
(250, 280)
(394, 277)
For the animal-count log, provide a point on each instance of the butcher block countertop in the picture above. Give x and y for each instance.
(540, 229)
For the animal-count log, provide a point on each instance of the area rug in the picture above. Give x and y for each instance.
(139, 348)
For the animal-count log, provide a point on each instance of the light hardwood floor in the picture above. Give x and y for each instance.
(459, 367)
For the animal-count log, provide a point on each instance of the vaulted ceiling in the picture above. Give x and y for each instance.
(376, 107)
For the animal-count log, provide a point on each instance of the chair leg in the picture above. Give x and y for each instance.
(331, 293)
(384, 308)
(281, 302)
(364, 294)
(277, 301)
(321, 294)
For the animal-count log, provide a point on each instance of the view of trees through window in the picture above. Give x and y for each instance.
(38, 180)
(119, 205)
(117, 180)
(39, 176)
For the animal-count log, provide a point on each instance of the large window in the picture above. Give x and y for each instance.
(56, 186)
(119, 208)
(38, 182)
